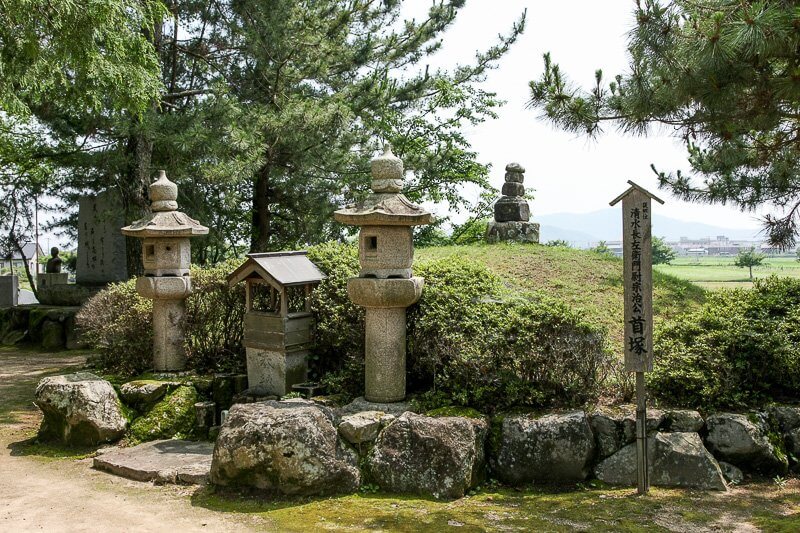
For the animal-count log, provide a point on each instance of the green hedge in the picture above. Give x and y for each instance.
(471, 341)
(742, 348)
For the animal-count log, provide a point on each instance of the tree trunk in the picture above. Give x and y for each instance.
(135, 198)
(751, 272)
(31, 279)
(259, 240)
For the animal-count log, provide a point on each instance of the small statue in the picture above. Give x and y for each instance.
(53, 265)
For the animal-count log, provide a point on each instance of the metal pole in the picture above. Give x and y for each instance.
(642, 478)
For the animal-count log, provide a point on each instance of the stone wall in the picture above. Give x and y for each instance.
(52, 328)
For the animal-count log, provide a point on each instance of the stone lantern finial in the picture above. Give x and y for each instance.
(163, 194)
(387, 172)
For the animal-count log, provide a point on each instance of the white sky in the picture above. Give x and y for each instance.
(568, 173)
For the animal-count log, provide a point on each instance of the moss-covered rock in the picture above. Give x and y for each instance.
(171, 417)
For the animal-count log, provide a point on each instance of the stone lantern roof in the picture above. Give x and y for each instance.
(165, 219)
(386, 206)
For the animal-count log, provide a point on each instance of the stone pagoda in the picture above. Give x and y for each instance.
(385, 286)
(166, 255)
(512, 212)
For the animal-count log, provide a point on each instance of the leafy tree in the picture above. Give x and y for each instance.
(662, 252)
(269, 114)
(560, 243)
(602, 249)
(93, 58)
(724, 76)
(749, 259)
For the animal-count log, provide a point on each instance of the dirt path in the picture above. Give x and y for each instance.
(40, 494)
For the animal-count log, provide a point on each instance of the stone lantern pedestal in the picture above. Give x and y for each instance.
(166, 257)
(385, 286)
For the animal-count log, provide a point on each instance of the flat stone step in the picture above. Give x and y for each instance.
(161, 461)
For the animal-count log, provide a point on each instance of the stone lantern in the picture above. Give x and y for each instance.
(385, 286)
(166, 255)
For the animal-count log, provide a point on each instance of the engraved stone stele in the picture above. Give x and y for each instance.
(277, 323)
(385, 285)
(101, 247)
(512, 212)
(166, 255)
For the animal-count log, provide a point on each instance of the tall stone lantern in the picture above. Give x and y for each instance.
(166, 255)
(385, 286)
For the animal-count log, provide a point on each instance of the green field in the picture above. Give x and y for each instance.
(720, 272)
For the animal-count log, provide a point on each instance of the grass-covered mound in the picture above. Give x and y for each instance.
(588, 282)
(742, 348)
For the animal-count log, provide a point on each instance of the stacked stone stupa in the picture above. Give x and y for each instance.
(511, 212)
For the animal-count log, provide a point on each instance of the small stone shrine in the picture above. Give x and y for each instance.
(52, 272)
(512, 212)
(166, 255)
(385, 286)
(277, 320)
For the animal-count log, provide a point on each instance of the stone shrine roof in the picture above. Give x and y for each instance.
(386, 206)
(285, 268)
(165, 220)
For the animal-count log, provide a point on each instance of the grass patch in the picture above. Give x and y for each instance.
(593, 509)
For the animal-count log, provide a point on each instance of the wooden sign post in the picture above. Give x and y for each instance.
(638, 275)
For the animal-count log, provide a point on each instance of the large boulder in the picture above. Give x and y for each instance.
(80, 409)
(438, 456)
(744, 441)
(674, 460)
(787, 417)
(286, 447)
(554, 448)
(172, 417)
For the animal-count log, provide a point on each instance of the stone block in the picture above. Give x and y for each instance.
(101, 247)
(525, 232)
(441, 457)
(160, 461)
(361, 427)
(275, 372)
(9, 291)
(511, 208)
(554, 448)
(50, 279)
(511, 188)
(53, 337)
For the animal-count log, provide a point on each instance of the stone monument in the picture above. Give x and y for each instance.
(385, 286)
(101, 247)
(9, 291)
(512, 212)
(166, 256)
(52, 272)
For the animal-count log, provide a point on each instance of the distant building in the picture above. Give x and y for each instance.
(696, 252)
(17, 261)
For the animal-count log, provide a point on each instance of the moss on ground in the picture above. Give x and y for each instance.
(762, 505)
(171, 417)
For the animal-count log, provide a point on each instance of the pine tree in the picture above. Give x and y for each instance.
(724, 75)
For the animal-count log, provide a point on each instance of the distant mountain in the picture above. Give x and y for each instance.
(554, 233)
(606, 225)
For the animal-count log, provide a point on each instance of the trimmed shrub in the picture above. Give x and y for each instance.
(742, 348)
(471, 342)
(215, 320)
(117, 323)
